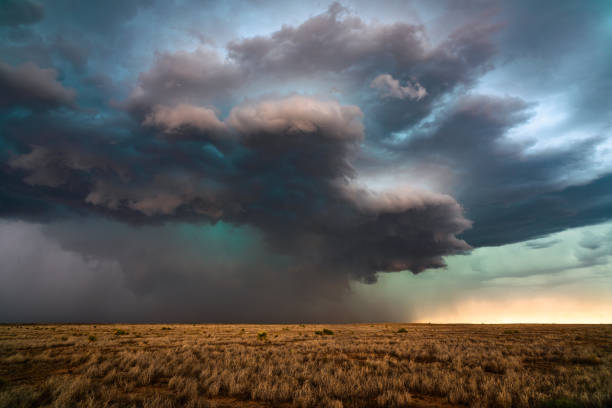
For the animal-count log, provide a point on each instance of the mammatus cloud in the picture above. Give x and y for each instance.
(389, 87)
(31, 86)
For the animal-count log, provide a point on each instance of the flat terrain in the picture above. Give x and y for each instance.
(364, 365)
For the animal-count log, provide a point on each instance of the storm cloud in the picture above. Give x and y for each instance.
(280, 162)
(288, 174)
(31, 86)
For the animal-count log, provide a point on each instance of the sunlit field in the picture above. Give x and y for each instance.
(386, 365)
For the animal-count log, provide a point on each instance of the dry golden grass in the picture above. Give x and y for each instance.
(289, 365)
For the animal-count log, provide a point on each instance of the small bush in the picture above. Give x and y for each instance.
(402, 330)
(92, 337)
(262, 335)
(166, 328)
(120, 332)
(324, 332)
(511, 331)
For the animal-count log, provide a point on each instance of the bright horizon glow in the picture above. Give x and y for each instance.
(544, 310)
(561, 278)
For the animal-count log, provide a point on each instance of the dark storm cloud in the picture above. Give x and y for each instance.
(286, 184)
(502, 181)
(16, 12)
(30, 86)
(161, 274)
(197, 77)
(287, 173)
(541, 214)
(329, 42)
(170, 134)
(347, 48)
(332, 43)
(50, 168)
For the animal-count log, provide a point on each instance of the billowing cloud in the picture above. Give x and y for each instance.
(184, 118)
(296, 115)
(31, 86)
(389, 87)
(330, 41)
(290, 179)
(50, 168)
(184, 77)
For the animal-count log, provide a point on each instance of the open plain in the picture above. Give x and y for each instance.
(362, 365)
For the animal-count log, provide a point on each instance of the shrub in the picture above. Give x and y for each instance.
(326, 332)
(166, 328)
(402, 330)
(120, 332)
(92, 337)
(262, 335)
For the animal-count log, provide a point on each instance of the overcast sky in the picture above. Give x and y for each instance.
(262, 161)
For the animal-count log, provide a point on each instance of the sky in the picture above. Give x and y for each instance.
(278, 162)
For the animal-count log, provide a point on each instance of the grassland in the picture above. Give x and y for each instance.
(305, 365)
